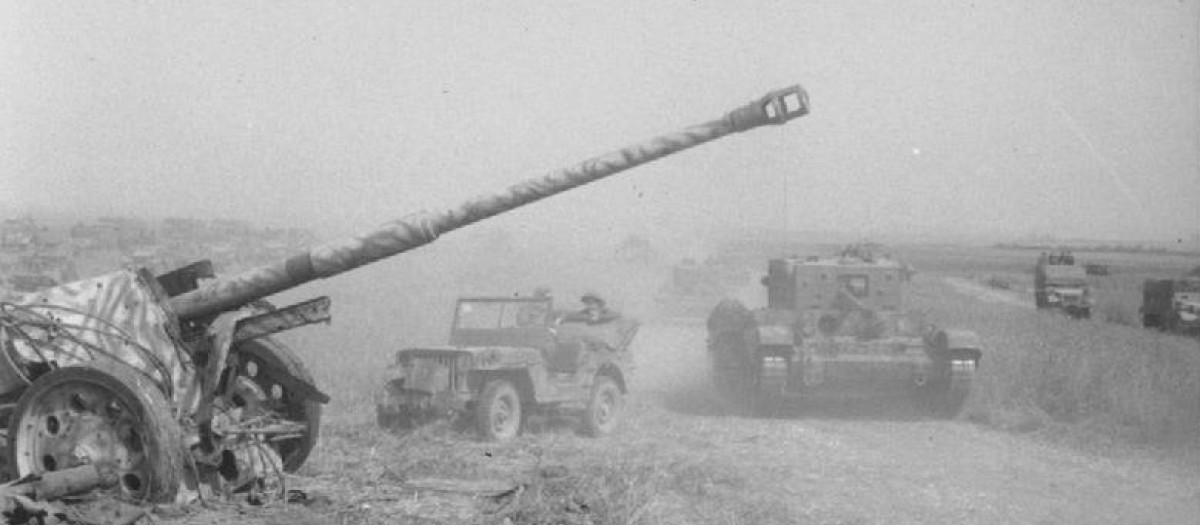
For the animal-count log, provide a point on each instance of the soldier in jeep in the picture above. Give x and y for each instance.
(595, 311)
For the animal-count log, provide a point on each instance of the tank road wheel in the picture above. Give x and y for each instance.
(105, 414)
(603, 408)
(498, 415)
(268, 364)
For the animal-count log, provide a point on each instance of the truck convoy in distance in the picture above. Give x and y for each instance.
(1172, 305)
(1059, 283)
(836, 326)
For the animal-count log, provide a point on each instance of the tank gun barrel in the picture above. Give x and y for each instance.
(407, 233)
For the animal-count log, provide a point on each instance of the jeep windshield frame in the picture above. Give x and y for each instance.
(501, 321)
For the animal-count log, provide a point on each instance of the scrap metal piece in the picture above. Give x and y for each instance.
(32, 494)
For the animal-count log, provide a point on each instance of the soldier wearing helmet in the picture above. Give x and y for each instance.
(595, 310)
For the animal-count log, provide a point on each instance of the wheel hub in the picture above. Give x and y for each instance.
(82, 424)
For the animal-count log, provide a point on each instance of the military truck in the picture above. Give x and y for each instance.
(509, 357)
(1060, 284)
(1172, 305)
(836, 326)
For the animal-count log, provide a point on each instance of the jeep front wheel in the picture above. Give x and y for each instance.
(603, 406)
(498, 414)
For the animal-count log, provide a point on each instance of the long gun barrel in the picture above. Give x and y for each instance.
(404, 234)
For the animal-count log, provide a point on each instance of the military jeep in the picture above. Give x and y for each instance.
(509, 357)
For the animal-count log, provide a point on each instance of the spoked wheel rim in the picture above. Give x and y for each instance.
(101, 415)
(261, 361)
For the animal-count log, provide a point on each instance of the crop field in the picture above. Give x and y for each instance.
(1109, 398)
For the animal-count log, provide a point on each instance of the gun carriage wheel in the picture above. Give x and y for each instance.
(101, 413)
(267, 364)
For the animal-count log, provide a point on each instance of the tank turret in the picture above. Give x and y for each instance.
(179, 370)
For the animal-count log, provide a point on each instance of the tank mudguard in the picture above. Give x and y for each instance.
(960, 344)
(777, 327)
(776, 335)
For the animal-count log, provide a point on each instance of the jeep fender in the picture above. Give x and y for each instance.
(527, 385)
(613, 371)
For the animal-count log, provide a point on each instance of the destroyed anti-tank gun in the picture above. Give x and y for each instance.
(171, 383)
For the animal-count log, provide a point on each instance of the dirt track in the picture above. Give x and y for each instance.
(883, 464)
(990, 295)
(682, 458)
(694, 461)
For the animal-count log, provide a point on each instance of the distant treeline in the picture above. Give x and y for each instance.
(1117, 248)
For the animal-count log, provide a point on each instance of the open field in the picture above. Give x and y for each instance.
(1117, 296)
(682, 457)
(1071, 422)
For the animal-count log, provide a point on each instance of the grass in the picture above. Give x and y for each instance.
(1096, 381)
(1127, 383)
(655, 470)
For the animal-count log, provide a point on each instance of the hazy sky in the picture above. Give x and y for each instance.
(1069, 118)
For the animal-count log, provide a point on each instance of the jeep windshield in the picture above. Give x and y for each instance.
(502, 321)
(500, 314)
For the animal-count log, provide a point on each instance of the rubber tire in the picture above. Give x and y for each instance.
(496, 392)
(270, 355)
(162, 436)
(603, 408)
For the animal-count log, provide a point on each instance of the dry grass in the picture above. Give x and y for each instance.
(1096, 380)
(654, 470)
(1126, 383)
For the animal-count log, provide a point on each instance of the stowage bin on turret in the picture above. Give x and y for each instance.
(179, 372)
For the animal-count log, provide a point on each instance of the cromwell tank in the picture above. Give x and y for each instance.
(172, 382)
(836, 327)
